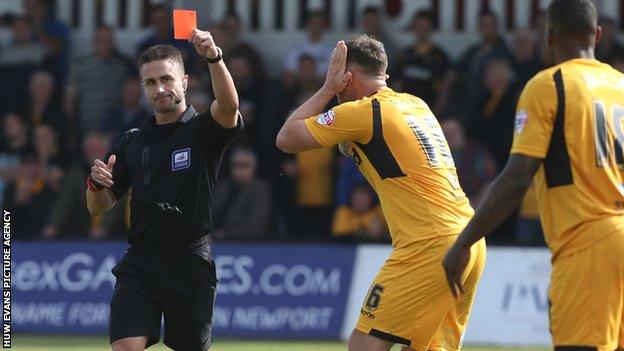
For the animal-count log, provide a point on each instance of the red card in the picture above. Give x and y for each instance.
(184, 21)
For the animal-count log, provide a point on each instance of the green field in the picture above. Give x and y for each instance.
(93, 343)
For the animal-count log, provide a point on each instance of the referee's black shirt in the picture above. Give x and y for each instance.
(176, 163)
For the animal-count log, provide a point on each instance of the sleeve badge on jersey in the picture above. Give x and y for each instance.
(522, 117)
(327, 118)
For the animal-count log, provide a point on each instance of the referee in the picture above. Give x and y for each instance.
(171, 163)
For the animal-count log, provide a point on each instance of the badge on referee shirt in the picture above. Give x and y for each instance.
(181, 159)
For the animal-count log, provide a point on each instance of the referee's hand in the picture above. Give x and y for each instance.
(102, 173)
(204, 43)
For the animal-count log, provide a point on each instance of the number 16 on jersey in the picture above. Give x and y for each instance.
(603, 144)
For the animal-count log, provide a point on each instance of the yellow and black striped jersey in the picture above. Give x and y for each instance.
(399, 146)
(572, 116)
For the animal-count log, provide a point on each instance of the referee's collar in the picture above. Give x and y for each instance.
(186, 116)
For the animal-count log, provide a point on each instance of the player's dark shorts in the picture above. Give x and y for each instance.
(179, 284)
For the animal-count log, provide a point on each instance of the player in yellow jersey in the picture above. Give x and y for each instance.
(569, 135)
(401, 150)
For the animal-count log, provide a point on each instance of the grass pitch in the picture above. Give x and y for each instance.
(100, 343)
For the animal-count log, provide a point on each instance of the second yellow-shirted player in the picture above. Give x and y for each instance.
(401, 150)
(569, 133)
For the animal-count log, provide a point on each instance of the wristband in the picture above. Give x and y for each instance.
(93, 185)
(216, 58)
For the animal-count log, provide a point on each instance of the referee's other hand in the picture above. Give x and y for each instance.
(102, 172)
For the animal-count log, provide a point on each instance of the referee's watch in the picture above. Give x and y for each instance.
(217, 58)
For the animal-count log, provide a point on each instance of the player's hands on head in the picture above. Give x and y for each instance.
(455, 263)
(102, 173)
(204, 43)
(337, 76)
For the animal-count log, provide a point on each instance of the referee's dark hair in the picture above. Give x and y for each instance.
(367, 53)
(573, 18)
(161, 52)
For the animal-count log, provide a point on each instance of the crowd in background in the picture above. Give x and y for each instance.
(58, 115)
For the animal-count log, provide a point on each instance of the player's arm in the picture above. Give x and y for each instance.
(501, 199)
(537, 107)
(224, 109)
(294, 136)
(99, 196)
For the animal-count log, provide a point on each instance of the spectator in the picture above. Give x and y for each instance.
(361, 219)
(69, 217)
(349, 176)
(314, 197)
(527, 59)
(492, 124)
(250, 98)
(286, 193)
(23, 49)
(161, 32)
(43, 106)
(247, 69)
(313, 45)
(199, 66)
(233, 45)
(96, 82)
(196, 83)
(14, 144)
(130, 114)
(199, 94)
(467, 77)
(53, 34)
(475, 166)
(52, 160)
(251, 104)
(289, 187)
(243, 201)
(372, 25)
(539, 32)
(423, 65)
(29, 197)
(305, 82)
(18, 61)
(200, 101)
(609, 49)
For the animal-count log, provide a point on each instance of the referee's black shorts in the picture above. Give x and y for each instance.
(180, 285)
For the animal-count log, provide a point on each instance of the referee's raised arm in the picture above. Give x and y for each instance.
(225, 107)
